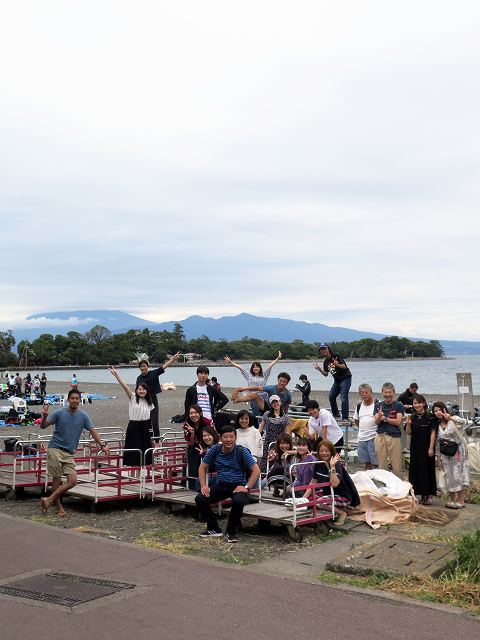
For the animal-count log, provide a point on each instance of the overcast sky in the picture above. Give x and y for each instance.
(311, 160)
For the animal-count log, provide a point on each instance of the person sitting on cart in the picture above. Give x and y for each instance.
(232, 463)
(330, 469)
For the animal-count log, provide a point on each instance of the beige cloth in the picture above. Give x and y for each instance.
(391, 504)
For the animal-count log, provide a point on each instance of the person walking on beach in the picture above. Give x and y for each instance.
(389, 418)
(74, 381)
(150, 377)
(342, 379)
(69, 424)
(208, 397)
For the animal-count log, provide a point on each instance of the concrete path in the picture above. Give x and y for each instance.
(178, 598)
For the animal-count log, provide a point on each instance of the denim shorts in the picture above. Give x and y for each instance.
(366, 451)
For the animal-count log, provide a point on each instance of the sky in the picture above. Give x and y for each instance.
(316, 161)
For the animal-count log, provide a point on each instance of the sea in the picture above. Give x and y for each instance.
(432, 376)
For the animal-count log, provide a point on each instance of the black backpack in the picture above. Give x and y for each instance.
(376, 404)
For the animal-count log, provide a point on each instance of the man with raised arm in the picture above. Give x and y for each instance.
(69, 424)
(342, 380)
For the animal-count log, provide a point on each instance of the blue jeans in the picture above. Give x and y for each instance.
(340, 389)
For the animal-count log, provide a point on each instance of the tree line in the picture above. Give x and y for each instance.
(99, 346)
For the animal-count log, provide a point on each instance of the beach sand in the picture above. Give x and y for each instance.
(114, 412)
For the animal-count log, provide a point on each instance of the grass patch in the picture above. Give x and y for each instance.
(458, 586)
(472, 494)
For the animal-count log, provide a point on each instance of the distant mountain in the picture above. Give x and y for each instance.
(228, 328)
(62, 322)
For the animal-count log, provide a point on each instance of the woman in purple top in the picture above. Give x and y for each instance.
(304, 473)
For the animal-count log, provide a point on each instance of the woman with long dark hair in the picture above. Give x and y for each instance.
(194, 423)
(139, 433)
(422, 426)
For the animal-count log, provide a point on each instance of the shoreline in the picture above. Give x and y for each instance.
(212, 363)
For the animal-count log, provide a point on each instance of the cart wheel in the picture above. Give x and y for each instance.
(295, 534)
(166, 508)
(321, 529)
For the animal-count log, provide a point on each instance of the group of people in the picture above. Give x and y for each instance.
(36, 385)
(226, 460)
(434, 433)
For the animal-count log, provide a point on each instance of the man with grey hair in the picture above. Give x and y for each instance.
(367, 428)
(388, 418)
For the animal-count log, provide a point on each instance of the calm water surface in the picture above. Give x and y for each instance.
(432, 376)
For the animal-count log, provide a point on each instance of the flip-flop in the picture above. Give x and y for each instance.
(460, 506)
(43, 505)
(451, 505)
(63, 515)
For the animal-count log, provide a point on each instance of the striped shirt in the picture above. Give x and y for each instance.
(140, 410)
(256, 381)
(203, 401)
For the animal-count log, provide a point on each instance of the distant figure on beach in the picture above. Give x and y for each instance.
(210, 399)
(150, 378)
(367, 428)
(342, 379)
(255, 376)
(28, 384)
(140, 433)
(214, 382)
(36, 385)
(11, 384)
(74, 381)
(406, 398)
(69, 424)
(389, 418)
(18, 385)
(43, 384)
(305, 388)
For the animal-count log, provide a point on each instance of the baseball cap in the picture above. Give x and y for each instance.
(323, 345)
(273, 398)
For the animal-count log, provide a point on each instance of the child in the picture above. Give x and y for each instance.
(194, 423)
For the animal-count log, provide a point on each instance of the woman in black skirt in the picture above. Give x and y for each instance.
(422, 426)
(139, 433)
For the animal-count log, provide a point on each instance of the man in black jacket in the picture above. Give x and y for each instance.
(406, 398)
(205, 395)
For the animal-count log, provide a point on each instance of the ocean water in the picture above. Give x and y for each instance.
(432, 376)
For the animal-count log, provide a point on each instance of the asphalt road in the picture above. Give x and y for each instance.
(181, 598)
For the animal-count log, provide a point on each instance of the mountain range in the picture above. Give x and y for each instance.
(227, 327)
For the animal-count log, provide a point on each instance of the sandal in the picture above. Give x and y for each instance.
(451, 505)
(460, 506)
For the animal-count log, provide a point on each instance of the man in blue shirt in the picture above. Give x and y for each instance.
(69, 424)
(261, 395)
(231, 463)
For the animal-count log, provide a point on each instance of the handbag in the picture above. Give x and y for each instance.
(448, 447)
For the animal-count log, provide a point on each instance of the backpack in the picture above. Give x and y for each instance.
(376, 404)
(239, 454)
